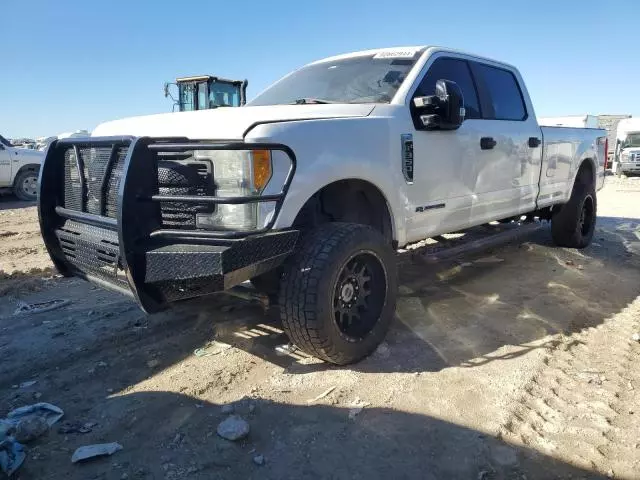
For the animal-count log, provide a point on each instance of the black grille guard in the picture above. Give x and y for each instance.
(133, 253)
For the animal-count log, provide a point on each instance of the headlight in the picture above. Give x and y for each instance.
(625, 156)
(236, 173)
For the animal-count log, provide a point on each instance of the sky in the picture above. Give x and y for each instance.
(72, 64)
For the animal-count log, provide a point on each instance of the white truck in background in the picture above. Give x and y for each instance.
(627, 152)
(308, 189)
(19, 168)
(574, 121)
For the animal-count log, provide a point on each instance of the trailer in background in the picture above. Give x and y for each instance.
(576, 121)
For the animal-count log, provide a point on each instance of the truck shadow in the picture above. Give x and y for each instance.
(10, 202)
(506, 303)
(296, 441)
(493, 306)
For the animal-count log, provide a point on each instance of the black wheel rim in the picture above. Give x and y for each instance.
(359, 295)
(587, 215)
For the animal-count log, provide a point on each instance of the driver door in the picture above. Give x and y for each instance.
(445, 162)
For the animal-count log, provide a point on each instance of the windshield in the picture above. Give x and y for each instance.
(4, 141)
(224, 94)
(366, 79)
(633, 140)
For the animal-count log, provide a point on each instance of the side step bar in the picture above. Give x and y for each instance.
(476, 240)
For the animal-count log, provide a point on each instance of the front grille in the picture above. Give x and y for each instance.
(85, 170)
(184, 176)
(92, 178)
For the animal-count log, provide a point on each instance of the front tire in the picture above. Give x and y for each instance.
(26, 186)
(573, 226)
(338, 292)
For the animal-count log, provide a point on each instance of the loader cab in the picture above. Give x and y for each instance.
(206, 92)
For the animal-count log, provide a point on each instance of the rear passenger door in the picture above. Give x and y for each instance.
(508, 161)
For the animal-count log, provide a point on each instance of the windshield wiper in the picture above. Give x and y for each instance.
(309, 101)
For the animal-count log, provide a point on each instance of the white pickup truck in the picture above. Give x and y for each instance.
(309, 189)
(19, 170)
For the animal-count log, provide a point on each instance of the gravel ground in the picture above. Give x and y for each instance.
(514, 363)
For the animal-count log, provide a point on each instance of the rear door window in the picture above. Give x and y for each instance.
(500, 92)
(456, 70)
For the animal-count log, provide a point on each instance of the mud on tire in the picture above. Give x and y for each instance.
(574, 224)
(338, 292)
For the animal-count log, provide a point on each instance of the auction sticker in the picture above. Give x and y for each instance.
(397, 53)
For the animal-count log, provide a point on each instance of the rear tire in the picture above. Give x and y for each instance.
(26, 186)
(338, 292)
(574, 224)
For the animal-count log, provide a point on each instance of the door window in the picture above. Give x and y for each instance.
(186, 91)
(203, 101)
(456, 70)
(503, 96)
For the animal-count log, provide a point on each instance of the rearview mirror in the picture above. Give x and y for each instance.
(442, 111)
(166, 89)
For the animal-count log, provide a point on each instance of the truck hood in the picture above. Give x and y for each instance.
(635, 150)
(224, 123)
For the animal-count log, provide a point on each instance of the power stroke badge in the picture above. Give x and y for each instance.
(406, 140)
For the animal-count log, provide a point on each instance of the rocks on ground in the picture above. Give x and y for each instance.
(233, 428)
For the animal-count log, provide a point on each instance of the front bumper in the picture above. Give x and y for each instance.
(104, 217)
(629, 166)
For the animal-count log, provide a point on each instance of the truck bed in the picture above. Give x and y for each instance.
(563, 149)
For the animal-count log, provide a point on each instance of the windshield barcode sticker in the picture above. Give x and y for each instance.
(404, 53)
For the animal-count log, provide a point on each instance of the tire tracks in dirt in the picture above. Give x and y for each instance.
(580, 406)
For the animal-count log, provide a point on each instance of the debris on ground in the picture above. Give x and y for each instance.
(228, 409)
(26, 308)
(68, 427)
(259, 460)
(30, 428)
(49, 412)
(23, 425)
(322, 395)
(356, 408)
(88, 452)
(489, 260)
(233, 428)
(28, 384)
(636, 337)
(285, 349)
(11, 455)
(211, 348)
(383, 350)
(153, 363)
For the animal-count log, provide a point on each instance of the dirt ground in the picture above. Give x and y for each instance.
(515, 363)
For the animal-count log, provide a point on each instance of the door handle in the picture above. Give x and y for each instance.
(534, 142)
(487, 143)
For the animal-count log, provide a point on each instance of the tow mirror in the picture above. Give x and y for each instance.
(442, 111)
(166, 89)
